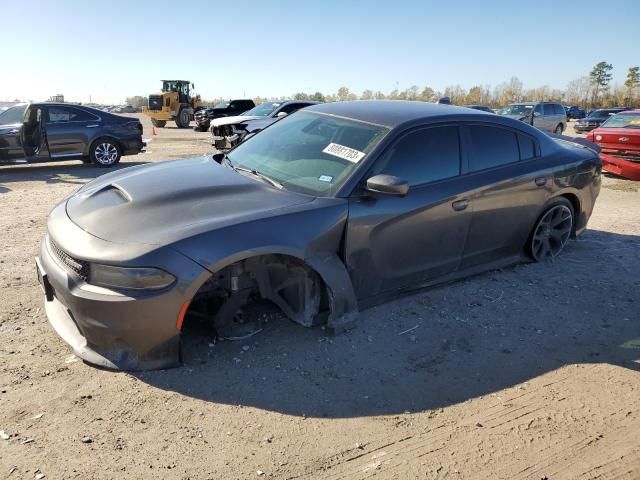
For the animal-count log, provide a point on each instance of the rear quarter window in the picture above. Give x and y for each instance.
(527, 147)
(491, 147)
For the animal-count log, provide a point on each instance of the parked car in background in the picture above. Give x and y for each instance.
(547, 116)
(482, 108)
(596, 118)
(52, 131)
(574, 112)
(227, 132)
(619, 140)
(126, 109)
(337, 207)
(204, 116)
(12, 115)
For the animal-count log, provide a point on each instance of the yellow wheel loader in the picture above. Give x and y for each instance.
(175, 102)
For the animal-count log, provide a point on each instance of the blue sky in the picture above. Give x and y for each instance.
(112, 49)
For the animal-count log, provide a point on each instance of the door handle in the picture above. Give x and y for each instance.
(460, 205)
(541, 181)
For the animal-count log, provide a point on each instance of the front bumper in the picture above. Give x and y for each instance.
(137, 331)
(583, 128)
(620, 166)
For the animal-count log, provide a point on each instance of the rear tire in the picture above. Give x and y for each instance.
(183, 119)
(158, 123)
(552, 230)
(105, 152)
(558, 130)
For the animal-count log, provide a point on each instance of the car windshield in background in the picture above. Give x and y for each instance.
(602, 114)
(516, 110)
(263, 109)
(623, 120)
(222, 105)
(12, 115)
(308, 153)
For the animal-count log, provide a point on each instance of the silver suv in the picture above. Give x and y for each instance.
(547, 116)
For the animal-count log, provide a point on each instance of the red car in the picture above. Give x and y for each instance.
(619, 139)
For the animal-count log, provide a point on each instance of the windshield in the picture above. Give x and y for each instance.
(308, 152)
(516, 110)
(602, 114)
(623, 120)
(263, 109)
(222, 105)
(12, 115)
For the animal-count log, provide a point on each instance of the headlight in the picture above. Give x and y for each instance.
(145, 278)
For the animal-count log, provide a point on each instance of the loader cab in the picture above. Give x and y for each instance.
(181, 87)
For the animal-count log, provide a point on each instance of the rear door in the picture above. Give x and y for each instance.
(401, 242)
(507, 191)
(68, 130)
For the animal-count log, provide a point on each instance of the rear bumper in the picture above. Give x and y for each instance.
(620, 166)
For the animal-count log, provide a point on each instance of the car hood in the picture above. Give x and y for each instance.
(168, 201)
(230, 120)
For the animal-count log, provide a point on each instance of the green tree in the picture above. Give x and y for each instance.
(301, 96)
(343, 94)
(318, 97)
(632, 82)
(427, 94)
(600, 78)
(366, 95)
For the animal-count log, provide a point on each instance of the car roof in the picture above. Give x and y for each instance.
(392, 113)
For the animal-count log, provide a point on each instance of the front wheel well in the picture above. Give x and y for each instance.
(285, 281)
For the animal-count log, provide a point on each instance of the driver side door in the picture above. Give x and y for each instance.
(395, 242)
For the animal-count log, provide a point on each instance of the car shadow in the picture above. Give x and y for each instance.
(59, 172)
(435, 348)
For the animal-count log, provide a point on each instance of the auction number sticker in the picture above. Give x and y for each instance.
(343, 152)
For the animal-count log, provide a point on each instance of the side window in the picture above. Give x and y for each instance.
(560, 109)
(527, 147)
(422, 156)
(538, 109)
(491, 147)
(61, 114)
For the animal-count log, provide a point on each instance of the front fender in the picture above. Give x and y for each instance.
(313, 235)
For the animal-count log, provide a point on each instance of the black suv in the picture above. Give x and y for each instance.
(225, 109)
(595, 119)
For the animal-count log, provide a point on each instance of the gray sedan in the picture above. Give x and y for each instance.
(326, 212)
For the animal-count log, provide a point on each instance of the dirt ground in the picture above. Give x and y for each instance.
(530, 372)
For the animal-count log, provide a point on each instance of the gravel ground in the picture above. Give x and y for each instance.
(527, 372)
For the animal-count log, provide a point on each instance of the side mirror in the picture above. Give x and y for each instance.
(218, 157)
(536, 114)
(388, 185)
(281, 114)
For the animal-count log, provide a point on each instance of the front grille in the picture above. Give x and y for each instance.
(79, 267)
(155, 102)
(201, 115)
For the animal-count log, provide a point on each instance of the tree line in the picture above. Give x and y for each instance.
(590, 91)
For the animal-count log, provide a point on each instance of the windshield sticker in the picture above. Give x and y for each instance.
(343, 152)
(634, 122)
(325, 178)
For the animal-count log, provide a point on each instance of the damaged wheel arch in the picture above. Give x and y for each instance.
(310, 291)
